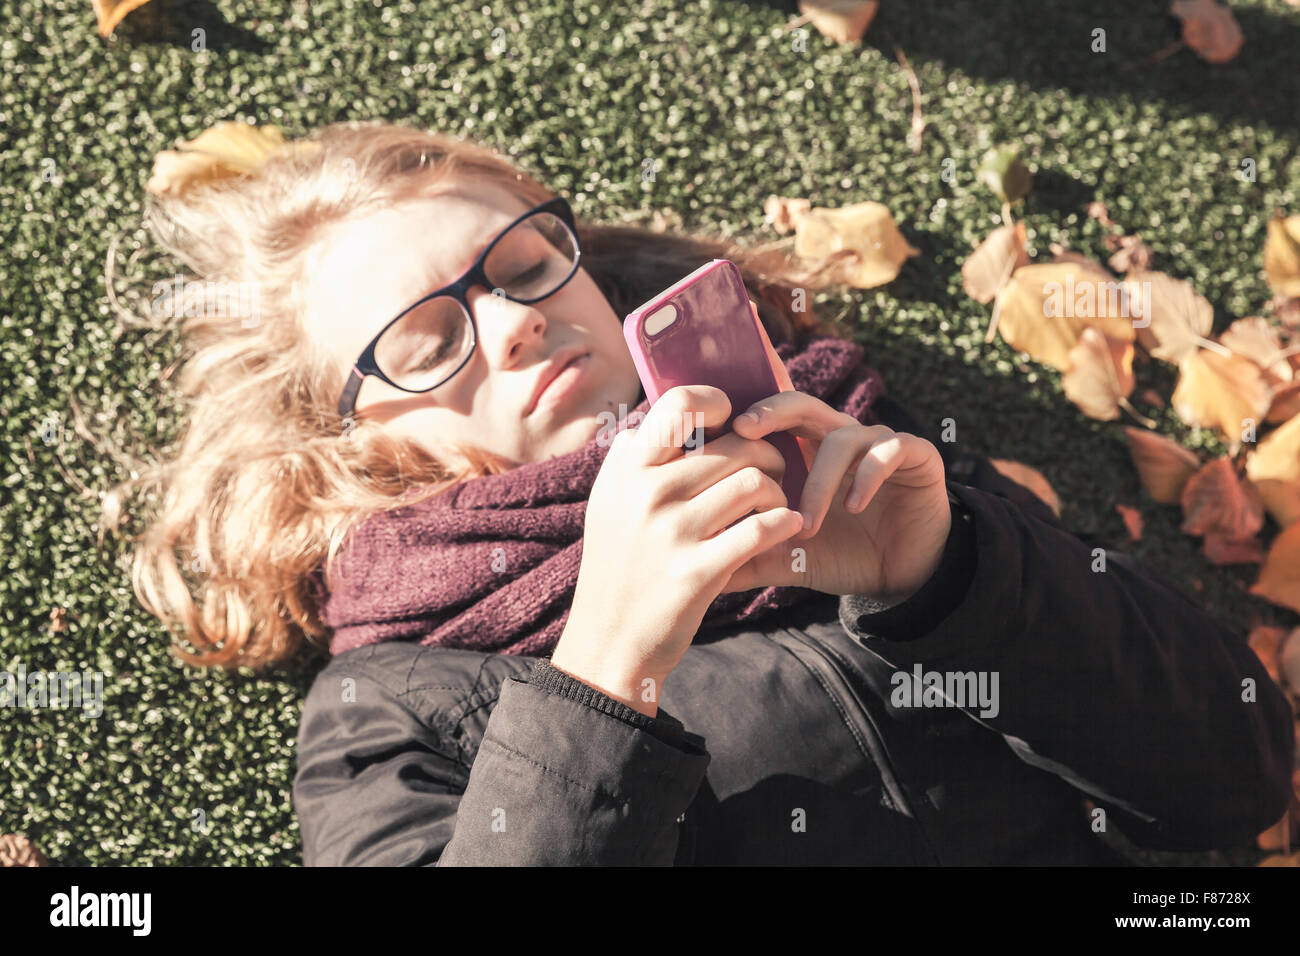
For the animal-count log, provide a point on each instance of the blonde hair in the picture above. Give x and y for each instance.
(266, 480)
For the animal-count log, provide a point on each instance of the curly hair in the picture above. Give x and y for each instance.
(266, 480)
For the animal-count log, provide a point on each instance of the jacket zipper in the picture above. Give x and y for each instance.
(870, 732)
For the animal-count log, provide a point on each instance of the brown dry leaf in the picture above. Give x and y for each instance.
(864, 235)
(1279, 859)
(1279, 578)
(1100, 374)
(1098, 211)
(1258, 340)
(1287, 310)
(990, 266)
(1153, 398)
(783, 213)
(1178, 320)
(1031, 478)
(109, 13)
(1222, 393)
(1132, 521)
(1226, 510)
(225, 150)
(1266, 641)
(1209, 29)
(1285, 404)
(1132, 253)
(1282, 255)
(843, 21)
(1289, 661)
(1163, 465)
(1274, 468)
(1045, 308)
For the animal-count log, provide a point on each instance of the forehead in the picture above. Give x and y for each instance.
(365, 270)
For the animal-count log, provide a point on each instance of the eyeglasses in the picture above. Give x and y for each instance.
(433, 339)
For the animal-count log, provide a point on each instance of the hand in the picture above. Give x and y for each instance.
(875, 501)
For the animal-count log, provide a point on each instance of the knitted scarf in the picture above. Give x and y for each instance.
(491, 564)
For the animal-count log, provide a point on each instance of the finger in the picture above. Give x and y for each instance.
(726, 551)
(730, 499)
(907, 459)
(836, 460)
(803, 415)
(676, 420)
(699, 468)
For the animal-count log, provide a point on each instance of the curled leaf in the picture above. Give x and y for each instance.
(1031, 478)
(783, 213)
(1003, 171)
(1163, 465)
(1222, 393)
(1173, 319)
(1274, 468)
(1131, 253)
(863, 236)
(1045, 308)
(989, 267)
(842, 21)
(1208, 29)
(1100, 374)
(1282, 255)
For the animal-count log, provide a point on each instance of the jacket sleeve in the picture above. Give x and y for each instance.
(563, 775)
(1108, 675)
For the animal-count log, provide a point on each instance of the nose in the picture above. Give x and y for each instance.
(509, 332)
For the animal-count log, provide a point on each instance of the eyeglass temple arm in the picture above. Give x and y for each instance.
(347, 400)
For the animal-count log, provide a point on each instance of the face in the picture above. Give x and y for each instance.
(366, 270)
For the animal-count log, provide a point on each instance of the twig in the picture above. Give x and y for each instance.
(918, 120)
(1164, 52)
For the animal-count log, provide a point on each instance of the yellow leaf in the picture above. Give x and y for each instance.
(1218, 392)
(1258, 340)
(1274, 467)
(1045, 308)
(863, 236)
(843, 21)
(226, 150)
(1031, 478)
(1209, 29)
(109, 13)
(1163, 465)
(1279, 577)
(1173, 317)
(1100, 374)
(1282, 255)
(990, 266)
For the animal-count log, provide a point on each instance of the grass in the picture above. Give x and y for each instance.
(196, 768)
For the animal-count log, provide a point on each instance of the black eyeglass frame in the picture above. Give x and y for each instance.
(366, 364)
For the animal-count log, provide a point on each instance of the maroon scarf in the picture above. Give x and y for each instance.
(491, 564)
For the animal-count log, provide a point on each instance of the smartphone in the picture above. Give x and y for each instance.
(702, 331)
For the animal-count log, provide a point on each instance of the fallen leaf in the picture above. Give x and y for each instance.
(17, 850)
(1132, 521)
(1279, 578)
(1045, 307)
(783, 213)
(1281, 860)
(225, 150)
(1132, 254)
(1173, 318)
(1222, 393)
(842, 21)
(1282, 255)
(1163, 465)
(109, 13)
(1285, 404)
(1289, 661)
(1208, 29)
(1216, 501)
(863, 235)
(1031, 478)
(990, 266)
(1098, 211)
(1274, 468)
(1219, 549)
(1004, 172)
(1266, 641)
(1258, 340)
(1153, 398)
(1100, 374)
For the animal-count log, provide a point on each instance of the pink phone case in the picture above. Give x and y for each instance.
(702, 331)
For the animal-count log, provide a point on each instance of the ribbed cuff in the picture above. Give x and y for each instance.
(551, 679)
(935, 600)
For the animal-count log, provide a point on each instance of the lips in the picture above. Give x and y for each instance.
(558, 363)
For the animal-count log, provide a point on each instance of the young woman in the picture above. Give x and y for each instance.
(558, 635)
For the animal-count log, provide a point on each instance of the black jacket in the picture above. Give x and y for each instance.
(805, 744)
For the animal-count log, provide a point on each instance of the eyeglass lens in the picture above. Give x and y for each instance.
(431, 341)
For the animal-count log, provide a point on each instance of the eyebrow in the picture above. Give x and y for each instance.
(432, 281)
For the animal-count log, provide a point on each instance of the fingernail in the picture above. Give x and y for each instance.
(747, 418)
